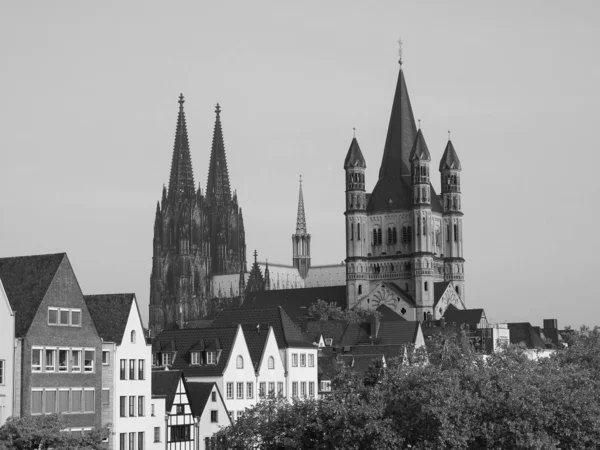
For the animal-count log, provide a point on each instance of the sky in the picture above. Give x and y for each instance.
(88, 107)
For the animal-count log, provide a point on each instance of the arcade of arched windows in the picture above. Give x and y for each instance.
(355, 180)
(420, 174)
(451, 183)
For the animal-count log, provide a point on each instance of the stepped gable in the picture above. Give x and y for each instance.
(110, 313)
(26, 280)
(164, 384)
(286, 332)
(296, 302)
(214, 339)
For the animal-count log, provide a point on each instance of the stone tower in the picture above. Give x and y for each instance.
(301, 239)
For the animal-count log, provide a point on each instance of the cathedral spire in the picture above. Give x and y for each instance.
(181, 182)
(217, 187)
(301, 218)
(401, 134)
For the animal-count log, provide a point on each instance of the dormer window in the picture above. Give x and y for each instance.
(196, 360)
(166, 359)
(211, 358)
(154, 360)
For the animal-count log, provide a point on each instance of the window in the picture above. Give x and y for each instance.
(230, 390)
(447, 232)
(50, 401)
(122, 439)
(131, 406)
(36, 360)
(63, 317)
(105, 357)
(50, 365)
(166, 359)
(250, 389)
(426, 285)
(180, 433)
(271, 362)
(211, 358)
(179, 409)
(141, 368)
(213, 396)
(358, 231)
(89, 403)
(154, 360)
(132, 369)
(195, 359)
(271, 388)
(63, 360)
(141, 406)
(36, 401)
(76, 400)
(360, 288)
(239, 362)
(156, 434)
(455, 232)
(75, 360)
(123, 369)
(105, 397)
(294, 389)
(88, 362)
(131, 441)
(140, 440)
(262, 387)
(239, 414)
(302, 360)
(303, 389)
(214, 416)
(280, 388)
(326, 386)
(311, 389)
(133, 336)
(351, 231)
(294, 359)
(311, 360)
(52, 316)
(63, 401)
(240, 390)
(75, 317)
(152, 409)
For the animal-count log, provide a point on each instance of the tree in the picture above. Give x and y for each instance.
(324, 311)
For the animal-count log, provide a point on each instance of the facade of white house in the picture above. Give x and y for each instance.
(270, 371)
(7, 357)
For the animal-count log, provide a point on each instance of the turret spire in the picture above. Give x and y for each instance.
(218, 188)
(301, 218)
(181, 182)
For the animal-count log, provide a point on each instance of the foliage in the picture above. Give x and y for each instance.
(448, 397)
(323, 311)
(42, 432)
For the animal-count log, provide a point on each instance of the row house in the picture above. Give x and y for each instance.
(57, 361)
(126, 380)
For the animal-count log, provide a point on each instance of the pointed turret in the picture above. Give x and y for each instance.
(218, 188)
(300, 217)
(354, 157)
(301, 239)
(419, 151)
(267, 277)
(450, 158)
(256, 281)
(401, 134)
(181, 181)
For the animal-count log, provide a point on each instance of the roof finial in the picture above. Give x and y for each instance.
(181, 100)
(448, 134)
(400, 51)
(255, 255)
(300, 179)
(354, 132)
(218, 110)
(419, 123)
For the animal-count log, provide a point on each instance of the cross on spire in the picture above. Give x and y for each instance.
(218, 110)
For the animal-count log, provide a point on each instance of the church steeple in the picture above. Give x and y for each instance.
(301, 239)
(218, 188)
(181, 181)
(401, 135)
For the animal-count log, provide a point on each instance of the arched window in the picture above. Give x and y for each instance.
(351, 231)
(455, 203)
(379, 240)
(448, 232)
(423, 173)
(358, 231)
(133, 336)
(389, 235)
(410, 233)
(271, 362)
(239, 362)
(455, 232)
(360, 288)
(394, 235)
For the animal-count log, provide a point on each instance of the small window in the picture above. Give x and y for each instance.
(311, 360)
(133, 336)
(88, 363)
(294, 359)
(195, 358)
(294, 389)
(262, 387)
(50, 401)
(271, 388)
(240, 390)
(132, 369)
(426, 286)
(240, 362)
(123, 371)
(229, 390)
(105, 357)
(311, 389)
(249, 389)
(302, 360)
(280, 388)
(214, 416)
(63, 360)
(64, 317)
(360, 288)
(105, 397)
(156, 434)
(141, 370)
(132, 406)
(52, 316)
(166, 359)
(271, 362)
(36, 360)
(211, 358)
(141, 406)
(50, 360)
(178, 409)
(152, 409)
(75, 360)
(326, 386)
(213, 396)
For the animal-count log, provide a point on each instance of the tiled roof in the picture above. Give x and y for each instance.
(450, 158)
(26, 280)
(186, 338)
(360, 363)
(354, 157)
(470, 317)
(390, 333)
(419, 151)
(110, 313)
(164, 384)
(388, 314)
(523, 333)
(198, 394)
(392, 194)
(438, 290)
(333, 329)
(286, 332)
(256, 338)
(296, 302)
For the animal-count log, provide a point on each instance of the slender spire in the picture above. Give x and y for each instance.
(217, 187)
(354, 157)
(402, 131)
(301, 218)
(181, 181)
(420, 152)
(450, 158)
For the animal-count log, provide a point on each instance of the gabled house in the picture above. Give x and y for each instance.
(7, 356)
(58, 352)
(209, 410)
(126, 359)
(525, 335)
(298, 356)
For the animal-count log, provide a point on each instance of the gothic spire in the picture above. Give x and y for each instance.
(450, 158)
(401, 134)
(301, 218)
(181, 181)
(419, 151)
(354, 157)
(217, 187)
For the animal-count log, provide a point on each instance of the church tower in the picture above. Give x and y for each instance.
(301, 239)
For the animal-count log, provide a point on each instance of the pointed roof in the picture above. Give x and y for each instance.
(217, 186)
(110, 313)
(402, 131)
(181, 181)
(26, 280)
(450, 158)
(419, 151)
(164, 384)
(354, 157)
(301, 217)
(256, 281)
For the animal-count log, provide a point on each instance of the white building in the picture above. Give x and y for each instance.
(209, 411)
(7, 356)
(126, 380)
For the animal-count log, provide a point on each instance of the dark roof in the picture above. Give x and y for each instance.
(470, 317)
(354, 157)
(286, 332)
(392, 194)
(181, 180)
(390, 333)
(333, 329)
(256, 339)
(399, 291)
(26, 280)
(438, 290)
(450, 158)
(523, 333)
(185, 339)
(164, 384)
(296, 302)
(110, 313)
(360, 363)
(198, 394)
(217, 185)
(419, 151)
(388, 314)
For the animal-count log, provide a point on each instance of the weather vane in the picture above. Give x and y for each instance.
(400, 51)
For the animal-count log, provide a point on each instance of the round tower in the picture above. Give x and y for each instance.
(357, 281)
(450, 169)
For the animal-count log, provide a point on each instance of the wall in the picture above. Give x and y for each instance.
(275, 375)
(156, 421)
(207, 428)
(7, 356)
(185, 419)
(301, 374)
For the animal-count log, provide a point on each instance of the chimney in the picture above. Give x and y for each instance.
(550, 324)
